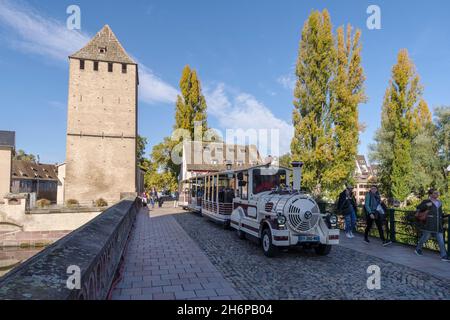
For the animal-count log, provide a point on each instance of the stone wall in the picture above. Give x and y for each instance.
(96, 249)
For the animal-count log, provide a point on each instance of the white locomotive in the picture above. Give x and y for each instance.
(259, 203)
(282, 216)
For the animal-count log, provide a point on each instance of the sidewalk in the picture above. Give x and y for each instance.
(429, 263)
(163, 263)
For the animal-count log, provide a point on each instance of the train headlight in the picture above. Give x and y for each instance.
(281, 220)
(333, 220)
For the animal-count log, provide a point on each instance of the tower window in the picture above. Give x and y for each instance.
(102, 49)
(82, 64)
(124, 68)
(95, 65)
(110, 67)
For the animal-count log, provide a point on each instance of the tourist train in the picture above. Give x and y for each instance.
(260, 202)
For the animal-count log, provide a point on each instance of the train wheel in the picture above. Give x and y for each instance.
(323, 250)
(269, 249)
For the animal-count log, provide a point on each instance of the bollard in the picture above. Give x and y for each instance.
(392, 225)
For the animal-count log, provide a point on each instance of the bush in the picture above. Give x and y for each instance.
(43, 203)
(101, 203)
(72, 203)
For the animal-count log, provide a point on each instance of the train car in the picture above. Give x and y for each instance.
(219, 191)
(192, 195)
(279, 216)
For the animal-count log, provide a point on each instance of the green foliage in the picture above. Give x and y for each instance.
(285, 160)
(72, 203)
(406, 146)
(43, 203)
(22, 155)
(101, 203)
(191, 104)
(329, 88)
(140, 154)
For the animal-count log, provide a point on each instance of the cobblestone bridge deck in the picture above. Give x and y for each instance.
(174, 254)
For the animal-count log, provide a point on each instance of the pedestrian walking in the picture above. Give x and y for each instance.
(374, 213)
(430, 217)
(346, 206)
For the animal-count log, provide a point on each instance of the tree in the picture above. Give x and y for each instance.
(140, 153)
(285, 160)
(191, 104)
(22, 155)
(329, 89)
(311, 117)
(442, 135)
(399, 127)
(347, 94)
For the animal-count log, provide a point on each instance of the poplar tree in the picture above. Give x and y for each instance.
(312, 115)
(191, 104)
(347, 94)
(399, 127)
(329, 89)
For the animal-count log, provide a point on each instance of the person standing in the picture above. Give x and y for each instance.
(176, 197)
(433, 223)
(374, 213)
(347, 207)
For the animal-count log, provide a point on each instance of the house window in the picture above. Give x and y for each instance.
(95, 65)
(102, 49)
(81, 64)
(110, 67)
(124, 68)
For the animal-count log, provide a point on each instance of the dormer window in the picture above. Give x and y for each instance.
(102, 50)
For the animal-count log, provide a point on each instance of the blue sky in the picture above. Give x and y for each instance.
(244, 52)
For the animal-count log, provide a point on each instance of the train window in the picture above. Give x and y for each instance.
(243, 187)
(267, 182)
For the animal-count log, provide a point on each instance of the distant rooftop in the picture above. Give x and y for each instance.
(8, 139)
(104, 47)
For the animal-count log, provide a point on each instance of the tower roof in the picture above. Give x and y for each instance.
(104, 47)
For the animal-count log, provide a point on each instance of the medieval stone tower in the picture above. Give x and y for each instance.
(101, 121)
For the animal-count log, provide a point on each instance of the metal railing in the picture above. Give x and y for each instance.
(400, 226)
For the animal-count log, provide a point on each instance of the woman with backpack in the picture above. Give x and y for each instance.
(374, 213)
(347, 207)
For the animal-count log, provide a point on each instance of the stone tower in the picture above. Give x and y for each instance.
(101, 121)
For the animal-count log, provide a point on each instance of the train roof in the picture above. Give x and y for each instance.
(239, 170)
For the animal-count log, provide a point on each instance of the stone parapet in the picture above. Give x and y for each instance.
(96, 249)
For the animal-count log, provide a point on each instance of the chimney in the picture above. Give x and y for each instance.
(297, 175)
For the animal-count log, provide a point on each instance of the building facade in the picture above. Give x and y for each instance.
(31, 177)
(206, 157)
(102, 122)
(365, 178)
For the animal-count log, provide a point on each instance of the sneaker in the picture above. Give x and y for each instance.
(386, 243)
(366, 241)
(418, 252)
(348, 235)
(351, 234)
(445, 259)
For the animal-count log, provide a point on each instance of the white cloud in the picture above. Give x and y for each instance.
(287, 81)
(237, 110)
(37, 34)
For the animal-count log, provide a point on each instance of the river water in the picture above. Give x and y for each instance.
(12, 257)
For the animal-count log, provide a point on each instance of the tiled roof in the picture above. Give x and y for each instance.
(29, 170)
(8, 139)
(104, 47)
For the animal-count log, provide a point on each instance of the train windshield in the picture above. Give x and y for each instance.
(267, 180)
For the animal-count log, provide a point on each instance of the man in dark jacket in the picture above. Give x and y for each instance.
(433, 225)
(347, 207)
(374, 213)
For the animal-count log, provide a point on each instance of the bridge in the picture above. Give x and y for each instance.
(131, 253)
